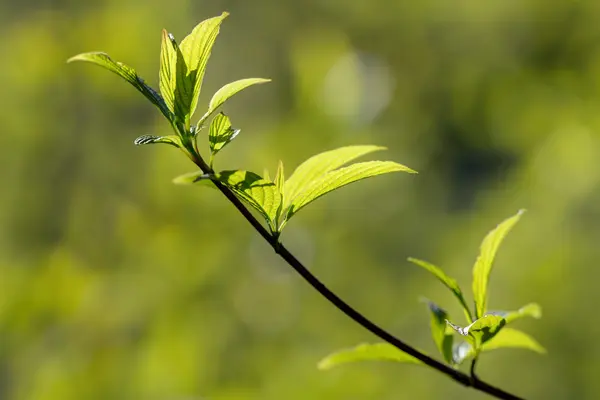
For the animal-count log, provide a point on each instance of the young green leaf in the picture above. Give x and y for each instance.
(150, 139)
(506, 338)
(483, 265)
(480, 331)
(226, 92)
(513, 338)
(167, 76)
(280, 177)
(320, 164)
(127, 73)
(220, 133)
(261, 194)
(530, 310)
(438, 325)
(195, 50)
(450, 283)
(341, 177)
(364, 352)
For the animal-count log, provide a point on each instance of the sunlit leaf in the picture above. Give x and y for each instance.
(450, 283)
(220, 133)
(506, 338)
(280, 177)
(483, 265)
(127, 73)
(341, 177)
(227, 91)
(167, 76)
(150, 139)
(320, 164)
(438, 325)
(196, 49)
(513, 338)
(482, 330)
(530, 310)
(366, 352)
(261, 194)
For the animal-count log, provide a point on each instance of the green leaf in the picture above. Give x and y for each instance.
(341, 177)
(506, 338)
(167, 76)
(438, 325)
(226, 92)
(483, 265)
(261, 194)
(450, 283)
(480, 331)
(320, 164)
(513, 338)
(280, 177)
(127, 73)
(195, 50)
(220, 133)
(530, 310)
(150, 139)
(364, 352)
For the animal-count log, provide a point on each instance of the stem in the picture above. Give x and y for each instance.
(460, 377)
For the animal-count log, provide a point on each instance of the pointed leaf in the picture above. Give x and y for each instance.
(483, 265)
(320, 164)
(506, 338)
(127, 73)
(227, 91)
(450, 283)
(482, 330)
(280, 177)
(364, 352)
(220, 133)
(167, 77)
(438, 325)
(530, 310)
(150, 139)
(341, 177)
(195, 49)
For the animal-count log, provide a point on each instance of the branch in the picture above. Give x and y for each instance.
(465, 380)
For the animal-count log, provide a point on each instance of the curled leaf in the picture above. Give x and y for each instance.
(220, 133)
(438, 326)
(151, 139)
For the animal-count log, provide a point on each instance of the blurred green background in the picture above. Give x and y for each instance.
(117, 284)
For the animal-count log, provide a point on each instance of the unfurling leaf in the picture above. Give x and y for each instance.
(485, 260)
(438, 325)
(226, 92)
(195, 51)
(150, 139)
(341, 177)
(450, 283)
(365, 352)
(127, 73)
(220, 133)
(530, 310)
(480, 331)
(506, 338)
